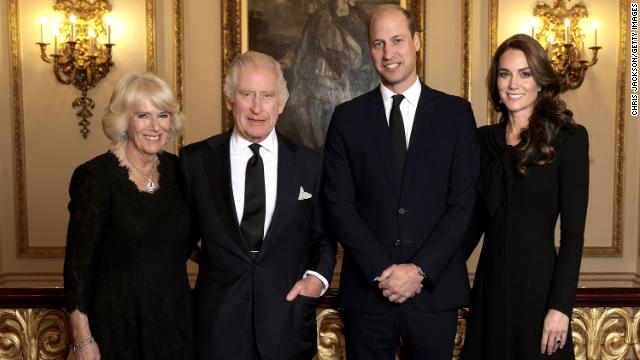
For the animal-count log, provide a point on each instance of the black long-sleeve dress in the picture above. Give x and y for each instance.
(520, 276)
(125, 264)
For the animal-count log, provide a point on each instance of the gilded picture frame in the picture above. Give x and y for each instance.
(246, 26)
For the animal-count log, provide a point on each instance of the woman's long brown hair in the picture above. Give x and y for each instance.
(550, 114)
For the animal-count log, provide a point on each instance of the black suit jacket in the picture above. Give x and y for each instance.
(229, 282)
(382, 218)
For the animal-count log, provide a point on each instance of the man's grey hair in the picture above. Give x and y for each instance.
(256, 59)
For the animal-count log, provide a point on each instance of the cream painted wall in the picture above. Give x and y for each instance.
(202, 63)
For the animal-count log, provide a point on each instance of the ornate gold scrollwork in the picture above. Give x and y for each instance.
(462, 327)
(330, 335)
(602, 333)
(635, 337)
(30, 334)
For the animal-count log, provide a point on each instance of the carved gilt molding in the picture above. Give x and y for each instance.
(330, 335)
(178, 53)
(34, 334)
(465, 86)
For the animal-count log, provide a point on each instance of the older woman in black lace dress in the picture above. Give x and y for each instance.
(125, 267)
(535, 167)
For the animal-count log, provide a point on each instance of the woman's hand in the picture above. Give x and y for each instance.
(554, 331)
(81, 333)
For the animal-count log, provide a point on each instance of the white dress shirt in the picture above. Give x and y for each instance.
(407, 106)
(240, 153)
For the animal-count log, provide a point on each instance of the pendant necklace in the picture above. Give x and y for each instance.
(151, 186)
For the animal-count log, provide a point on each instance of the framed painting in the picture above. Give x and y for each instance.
(323, 49)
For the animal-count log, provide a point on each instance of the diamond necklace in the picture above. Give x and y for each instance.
(151, 186)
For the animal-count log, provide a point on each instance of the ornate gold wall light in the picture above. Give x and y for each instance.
(558, 30)
(82, 47)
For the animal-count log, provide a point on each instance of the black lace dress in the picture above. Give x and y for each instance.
(125, 264)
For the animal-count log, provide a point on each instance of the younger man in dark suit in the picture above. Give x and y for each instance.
(254, 200)
(401, 165)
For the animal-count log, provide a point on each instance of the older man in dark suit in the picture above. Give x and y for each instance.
(265, 256)
(401, 166)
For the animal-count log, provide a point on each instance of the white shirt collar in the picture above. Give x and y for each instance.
(239, 143)
(412, 94)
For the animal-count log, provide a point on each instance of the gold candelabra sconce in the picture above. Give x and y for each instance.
(82, 49)
(558, 30)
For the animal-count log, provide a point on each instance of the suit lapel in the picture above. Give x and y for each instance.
(218, 168)
(380, 127)
(288, 189)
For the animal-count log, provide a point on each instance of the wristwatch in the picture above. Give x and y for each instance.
(420, 272)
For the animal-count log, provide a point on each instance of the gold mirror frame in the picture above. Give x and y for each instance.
(21, 215)
(235, 37)
(616, 247)
(465, 79)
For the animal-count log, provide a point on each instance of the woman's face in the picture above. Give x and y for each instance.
(517, 88)
(148, 129)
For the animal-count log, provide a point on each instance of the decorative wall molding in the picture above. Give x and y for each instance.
(24, 249)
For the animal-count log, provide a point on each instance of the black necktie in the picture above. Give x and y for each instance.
(252, 225)
(398, 138)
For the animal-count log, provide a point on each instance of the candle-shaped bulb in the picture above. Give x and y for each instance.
(535, 22)
(595, 33)
(72, 19)
(56, 32)
(92, 41)
(567, 25)
(43, 20)
(107, 20)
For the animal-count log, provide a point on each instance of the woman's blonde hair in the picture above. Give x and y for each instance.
(130, 92)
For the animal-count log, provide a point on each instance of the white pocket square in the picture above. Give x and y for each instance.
(304, 195)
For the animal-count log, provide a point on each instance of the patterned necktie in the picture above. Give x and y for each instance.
(398, 138)
(252, 225)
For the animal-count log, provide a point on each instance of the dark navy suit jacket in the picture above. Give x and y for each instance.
(229, 282)
(421, 217)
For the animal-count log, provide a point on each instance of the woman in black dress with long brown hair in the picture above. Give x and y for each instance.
(125, 275)
(535, 166)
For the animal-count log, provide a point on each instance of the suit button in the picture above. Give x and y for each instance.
(396, 243)
(247, 297)
(402, 211)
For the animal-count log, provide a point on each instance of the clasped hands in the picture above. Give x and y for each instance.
(400, 282)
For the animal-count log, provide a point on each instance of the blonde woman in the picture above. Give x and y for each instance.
(125, 267)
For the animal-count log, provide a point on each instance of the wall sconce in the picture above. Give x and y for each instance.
(81, 50)
(557, 30)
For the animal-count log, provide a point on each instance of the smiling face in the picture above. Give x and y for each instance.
(148, 129)
(517, 88)
(255, 104)
(393, 49)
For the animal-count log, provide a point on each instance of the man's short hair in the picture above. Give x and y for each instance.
(407, 14)
(257, 59)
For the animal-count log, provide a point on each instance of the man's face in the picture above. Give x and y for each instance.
(393, 49)
(255, 105)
